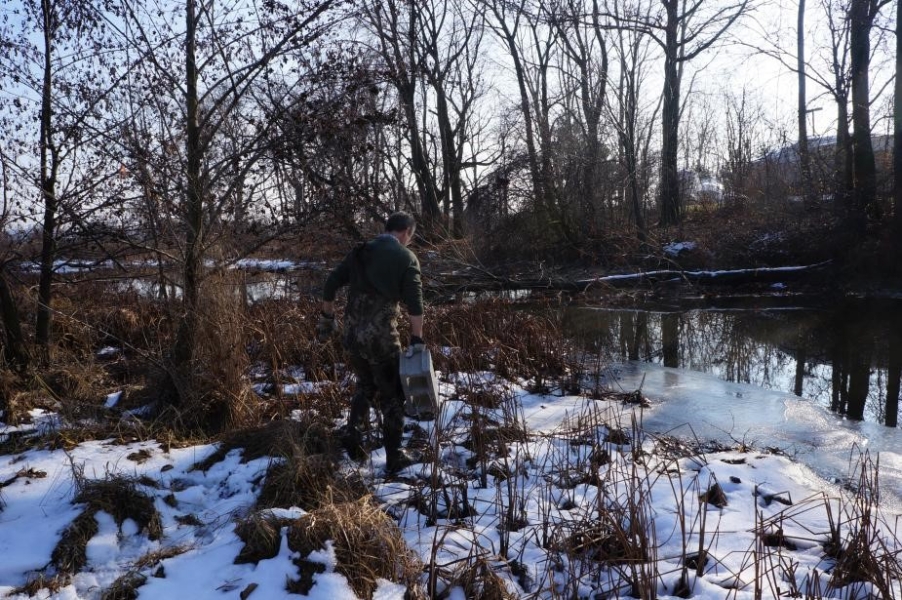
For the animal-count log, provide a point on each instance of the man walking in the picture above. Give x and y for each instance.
(381, 274)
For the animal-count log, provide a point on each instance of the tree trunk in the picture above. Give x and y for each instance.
(671, 207)
(407, 91)
(49, 170)
(844, 180)
(897, 128)
(804, 155)
(859, 382)
(532, 154)
(422, 174)
(864, 166)
(893, 375)
(184, 350)
(628, 134)
(801, 359)
(450, 162)
(837, 374)
(670, 339)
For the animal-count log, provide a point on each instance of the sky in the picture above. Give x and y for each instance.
(760, 488)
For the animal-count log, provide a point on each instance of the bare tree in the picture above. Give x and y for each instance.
(198, 66)
(700, 146)
(331, 141)
(804, 154)
(396, 25)
(518, 27)
(449, 50)
(50, 59)
(827, 66)
(839, 85)
(742, 118)
(632, 51)
(864, 168)
(684, 31)
(15, 347)
(586, 49)
(897, 130)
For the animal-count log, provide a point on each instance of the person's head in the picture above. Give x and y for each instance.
(402, 226)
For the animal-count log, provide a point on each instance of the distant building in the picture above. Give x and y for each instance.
(777, 174)
(698, 188)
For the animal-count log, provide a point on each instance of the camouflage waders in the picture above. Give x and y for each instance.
(373, 345)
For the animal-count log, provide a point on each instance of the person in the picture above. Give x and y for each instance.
(380, 274)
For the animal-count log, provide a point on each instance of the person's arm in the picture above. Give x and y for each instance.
(339, 277)
(416, 326)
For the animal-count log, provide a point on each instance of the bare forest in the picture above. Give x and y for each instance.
(177, 177)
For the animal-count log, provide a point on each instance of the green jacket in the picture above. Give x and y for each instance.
(382, 266)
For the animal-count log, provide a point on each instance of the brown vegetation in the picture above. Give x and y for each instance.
(274, 341)
(362, 536)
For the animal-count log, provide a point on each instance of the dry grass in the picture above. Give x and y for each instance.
(604, 542)
(41, 582)
(862, 553)
(307, 481)
(367, 543)
(117, 496)
(152, 559)
(70, 555)
(304, 471)
(478, 579)
(261, 534)
(120, 497)
(285, 336)
(209, 390)
(491, 335)
(127, 586)
(276, 438)
(73, 387)
(124, 588)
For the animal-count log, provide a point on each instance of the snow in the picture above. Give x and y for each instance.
(675, 248)
(547, 486)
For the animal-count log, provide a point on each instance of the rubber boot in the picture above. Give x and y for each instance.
(352, 440)
(392, 433)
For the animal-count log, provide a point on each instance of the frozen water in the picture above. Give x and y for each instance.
(691, 404)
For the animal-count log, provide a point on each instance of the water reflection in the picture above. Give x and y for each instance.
(256, 288)
(847, 359)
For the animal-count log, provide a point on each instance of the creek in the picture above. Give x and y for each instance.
(818, 383)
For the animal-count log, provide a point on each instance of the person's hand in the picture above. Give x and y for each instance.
(416, 345)
(325, 326)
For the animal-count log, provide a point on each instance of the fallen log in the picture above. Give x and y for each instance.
(486, 282)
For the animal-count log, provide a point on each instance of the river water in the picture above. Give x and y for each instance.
(844, 359)
(811, 382)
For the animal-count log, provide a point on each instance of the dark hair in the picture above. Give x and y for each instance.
(400, 221)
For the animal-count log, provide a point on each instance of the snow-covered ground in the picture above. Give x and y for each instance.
(568, 491)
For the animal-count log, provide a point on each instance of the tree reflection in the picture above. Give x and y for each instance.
(670, 330)
(850, 360)
(894, 372)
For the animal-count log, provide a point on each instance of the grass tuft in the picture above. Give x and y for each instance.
(261, 534)
(124, 588)
(120, 497)
(368, 545)
(309, 436)
(478, 579)
(117, 496)
(307, 481)
(70, 554)
(41, 582)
